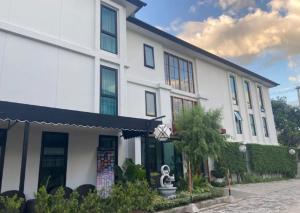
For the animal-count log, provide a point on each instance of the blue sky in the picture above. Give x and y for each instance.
(257, 34)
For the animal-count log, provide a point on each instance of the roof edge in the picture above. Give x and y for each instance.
(137, 3)
(197, 49)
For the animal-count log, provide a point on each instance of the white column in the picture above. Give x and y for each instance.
(138, 151)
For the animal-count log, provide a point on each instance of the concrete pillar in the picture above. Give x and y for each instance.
(138, 151)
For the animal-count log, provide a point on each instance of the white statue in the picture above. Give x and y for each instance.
(167, 189)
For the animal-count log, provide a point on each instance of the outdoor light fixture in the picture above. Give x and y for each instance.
(243, 148)
(162, 132)
(292, 151)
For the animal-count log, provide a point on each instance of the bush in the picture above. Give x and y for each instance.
(130, 172)
(266, 159)
(231, 158)
(200, 184)
(10, 204)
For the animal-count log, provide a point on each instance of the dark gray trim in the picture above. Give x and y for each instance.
(137, 3)
(4, 131)
(170, 37)
(117, 88)
(154, 94)
(153, 58)
(24, 156)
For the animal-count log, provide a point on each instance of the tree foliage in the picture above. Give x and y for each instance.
(199, 134)
(287, 121)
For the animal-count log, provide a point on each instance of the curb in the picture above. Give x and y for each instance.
(195, 207)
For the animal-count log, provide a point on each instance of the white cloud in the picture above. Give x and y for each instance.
(175, 26)
(257, 33)
(232, 7)
(294, 78)
(194, 7)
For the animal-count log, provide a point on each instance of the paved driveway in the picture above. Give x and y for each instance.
(275, 197)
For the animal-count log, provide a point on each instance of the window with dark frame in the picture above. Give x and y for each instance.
(150, 98)
(53, 161)
(265, 125)
(179, 105)
(252, 124)
(248, 94)
(238, 122)
(179, 73)
(109, 32)
(261, 99)
(233, 90)
(109, 91)
(149, 56)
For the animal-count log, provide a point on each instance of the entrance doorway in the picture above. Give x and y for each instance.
(53, 163)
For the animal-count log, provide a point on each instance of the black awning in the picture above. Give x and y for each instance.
(131, 127)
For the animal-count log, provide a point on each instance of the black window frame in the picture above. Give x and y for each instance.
(145, 58)
(191, 82)
(252, 125)
(194, 103)
(146, 108)
(108, 33)
(266, 127)
(234, 93)
(248, 94)
(238, 123)
(108, 96)
(116, 147)
(66, 148)
(4, 131)
(261, 99)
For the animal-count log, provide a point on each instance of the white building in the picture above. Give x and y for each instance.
(116, 72)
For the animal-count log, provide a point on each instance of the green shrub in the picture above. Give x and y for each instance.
(266, 159)
(10, 204)
(231, 158)
(130, 172)
(200, 184)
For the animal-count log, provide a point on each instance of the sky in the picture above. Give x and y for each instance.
(260, 35)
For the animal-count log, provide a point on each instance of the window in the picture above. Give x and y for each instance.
(109, 94)
(248, 94)
(109, 30)
(179, 105)
(238, 122)
(150, 104)
(149, 56)
(265, 124)
(252, 124)
(3, 134)
(53, 165)
(179, 73)
(233, 90)
(261, 100)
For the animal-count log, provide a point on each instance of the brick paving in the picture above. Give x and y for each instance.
(275, 197)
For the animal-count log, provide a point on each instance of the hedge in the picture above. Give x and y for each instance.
(266, 159)
(231, 158)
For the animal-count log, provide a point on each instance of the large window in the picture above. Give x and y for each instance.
(261, 99)
(252, 124)
(265, 125)
(248, 94)
(109, 38)
(109, 91)
(3, 133)
(179, 73)
(150, 104)
(233, 90)
(53, 165)
(238, 122)
(149, 56)
(179, 105)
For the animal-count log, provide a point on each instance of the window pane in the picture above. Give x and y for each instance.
(108, 106)
(252, 124)
(187, 105)
(108, 82)
(149, 56)
(266, 131)
(108, 43)
(184, 80)
(174, 72)
(191, 78)
(167, 73)
(238, 122)
(248, 96)
(177, 107)
(150, 104)
(233, 90)
(108, 20)
(261, 101)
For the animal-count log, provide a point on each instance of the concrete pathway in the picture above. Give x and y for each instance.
(275, 197)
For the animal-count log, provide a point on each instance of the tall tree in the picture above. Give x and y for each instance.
(287, 121)
(199, 136)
